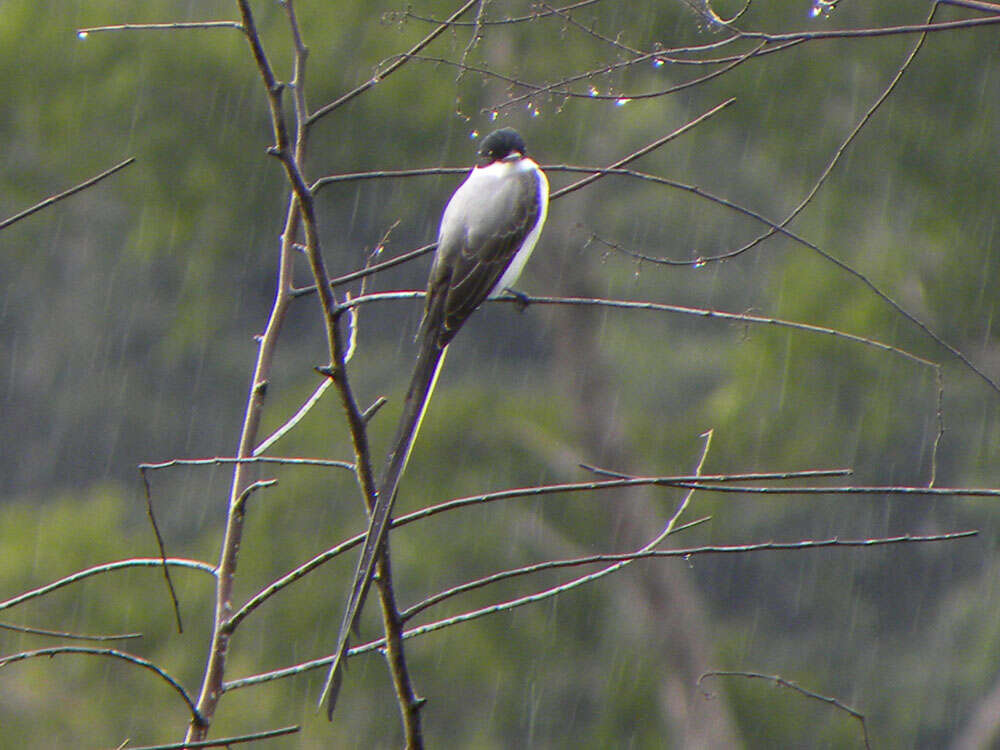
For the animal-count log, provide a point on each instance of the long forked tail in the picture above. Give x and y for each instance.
(425, 374)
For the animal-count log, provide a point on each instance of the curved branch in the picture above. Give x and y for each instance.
(782, 682)
(526, 299)
(139, 562)
(114, 654)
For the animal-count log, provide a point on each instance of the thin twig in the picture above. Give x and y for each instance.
(781, 681)
(65, 194)
(221, 741)
(371, 270)
(505, 575)
(642, 554)
(70, 636)
(280, 460)
(757, 476)
(385, 174)
(163, 551)
(920, 28)
(919, 491)
(554, 489)
(211, 686)
(939, 433)
(293, 420)
(407, 13)
(624, 558)
(974, 5)
(249, 490)
(137, 562)
(169, 26)
(400, 62)
(642, 151)
(111, 653)
(325, 662)
(678, 309)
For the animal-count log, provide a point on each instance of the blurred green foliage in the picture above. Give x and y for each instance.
(127, 317)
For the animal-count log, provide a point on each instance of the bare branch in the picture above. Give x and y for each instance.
(649, 148)
(70, 636)
(111, 653)
(137, 562)
(920, 28)
(682, 553)
(170, 26)
(163, 551)
(232, 541)
(678, 309)
(297, 417)
(828, 169)
(302, 570)
(757, 476)
(781, 681)
(280, 460)
(852, 490)
(974, 5)
(385, 174)
(558, 89)
(65, 194)
(251, 488)
(779, 228)
(400, 62)
(223, 741)
(325, 662)
(336, 370)
(407, 13)
(627, 557)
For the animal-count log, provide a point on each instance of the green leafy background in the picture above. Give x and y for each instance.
(127, 317)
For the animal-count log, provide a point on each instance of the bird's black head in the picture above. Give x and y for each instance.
(500, 144)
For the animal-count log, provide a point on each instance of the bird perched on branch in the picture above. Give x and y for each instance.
(488, 230)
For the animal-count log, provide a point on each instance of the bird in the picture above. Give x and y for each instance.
(488, 230)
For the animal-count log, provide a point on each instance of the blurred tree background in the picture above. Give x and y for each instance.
(127, 317)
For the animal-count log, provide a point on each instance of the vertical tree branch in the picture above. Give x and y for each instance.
(211, 688)
(301, 215)
(392, 622)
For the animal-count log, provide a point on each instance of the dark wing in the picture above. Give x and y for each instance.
(477, 242)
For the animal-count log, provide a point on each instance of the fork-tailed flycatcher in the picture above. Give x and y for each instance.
(488, 230)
